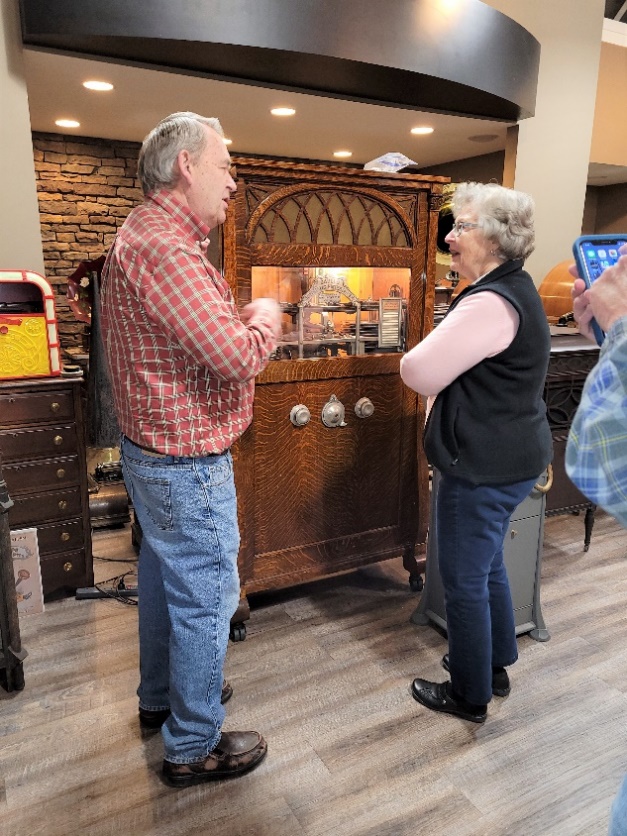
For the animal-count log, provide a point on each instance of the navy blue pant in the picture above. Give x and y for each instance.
(471, 524)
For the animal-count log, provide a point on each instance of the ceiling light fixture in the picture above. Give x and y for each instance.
(227, 141)
(67, 123)
(282, 111)
(421, 130)
(102, 86)
(343, 154)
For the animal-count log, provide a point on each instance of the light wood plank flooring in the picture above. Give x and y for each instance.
(324, 675)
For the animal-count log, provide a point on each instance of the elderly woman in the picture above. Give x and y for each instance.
(483, 369)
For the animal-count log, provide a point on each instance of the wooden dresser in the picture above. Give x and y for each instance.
(44, 465)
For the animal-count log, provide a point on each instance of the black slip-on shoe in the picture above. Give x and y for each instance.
(437, 697)
(155, 719)
(235, 754)
(500, 679)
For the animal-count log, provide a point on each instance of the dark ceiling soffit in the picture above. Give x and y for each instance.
(473, 62)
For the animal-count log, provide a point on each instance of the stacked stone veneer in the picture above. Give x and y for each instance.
(86, 188)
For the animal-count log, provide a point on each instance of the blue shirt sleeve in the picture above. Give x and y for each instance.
(596, 452)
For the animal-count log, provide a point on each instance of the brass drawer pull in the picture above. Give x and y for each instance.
(65, 536)
(61, 473)
(67, 567)
(58, 439)
(62, 504)
(55, 406)
(549, 481)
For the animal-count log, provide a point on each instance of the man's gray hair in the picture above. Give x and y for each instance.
(505, 216)
(178, 132)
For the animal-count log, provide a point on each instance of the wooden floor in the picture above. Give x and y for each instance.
(324, 675)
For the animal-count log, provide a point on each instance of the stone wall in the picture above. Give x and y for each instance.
(86, 187)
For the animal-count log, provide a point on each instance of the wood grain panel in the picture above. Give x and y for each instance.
(314, 483)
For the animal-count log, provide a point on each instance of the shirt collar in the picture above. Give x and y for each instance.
(185, 216)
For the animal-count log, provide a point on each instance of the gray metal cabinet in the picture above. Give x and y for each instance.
(523, 558)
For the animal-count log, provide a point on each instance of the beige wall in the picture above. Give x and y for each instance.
(611, 209)
(554, 146)
(20, 237)
(609, 136)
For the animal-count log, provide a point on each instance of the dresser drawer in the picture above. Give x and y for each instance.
(34, 442)
(48, 473)
(41, 507)
(60, 537)
(31, 407)
(67, 570)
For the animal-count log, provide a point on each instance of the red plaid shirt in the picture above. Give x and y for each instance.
(182, 363)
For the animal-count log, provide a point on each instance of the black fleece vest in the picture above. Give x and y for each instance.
(489, 426)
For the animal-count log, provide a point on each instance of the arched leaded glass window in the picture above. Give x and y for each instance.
(326, 217)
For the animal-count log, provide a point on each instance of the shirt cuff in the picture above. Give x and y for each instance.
(616, 334)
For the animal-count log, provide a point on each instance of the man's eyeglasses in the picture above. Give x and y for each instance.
(462, 226)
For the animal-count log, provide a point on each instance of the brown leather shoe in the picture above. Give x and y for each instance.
(235, 754)
(155, 719)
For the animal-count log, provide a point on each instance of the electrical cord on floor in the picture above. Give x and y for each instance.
(118, 586)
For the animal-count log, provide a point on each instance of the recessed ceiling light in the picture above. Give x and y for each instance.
(227, 141)
(282, 111)
(342, 153)
(98, 85)
(483, 137)
(421, 130)
(67, 123)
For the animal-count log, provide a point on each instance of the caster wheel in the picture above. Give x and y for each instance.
(416, 583)
(238, 632)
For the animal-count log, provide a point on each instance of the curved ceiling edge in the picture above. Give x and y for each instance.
(455, 56)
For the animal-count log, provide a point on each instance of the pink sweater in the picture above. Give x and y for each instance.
(480, 326)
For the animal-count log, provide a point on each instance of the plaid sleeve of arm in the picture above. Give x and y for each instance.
(184, 296)
(596, 452)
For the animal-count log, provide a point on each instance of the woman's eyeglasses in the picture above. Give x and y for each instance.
(462, 226)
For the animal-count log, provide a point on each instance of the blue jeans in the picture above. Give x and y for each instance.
(618, 815)
(471, 524)
(188, 590)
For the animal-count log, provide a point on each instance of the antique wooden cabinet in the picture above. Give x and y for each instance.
(331, 474)
(45, 469)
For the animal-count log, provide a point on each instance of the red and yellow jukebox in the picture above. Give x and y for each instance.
(29, 342)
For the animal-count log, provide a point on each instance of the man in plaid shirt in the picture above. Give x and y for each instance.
(183, 361)
(596, 453)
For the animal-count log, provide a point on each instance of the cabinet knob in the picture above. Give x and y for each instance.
(300, 415)
(333, 413)
(55, 406)
(61, 473)
(364, 408)
(58, 439)
(67, 567)
(62, 504)
(65, 536)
